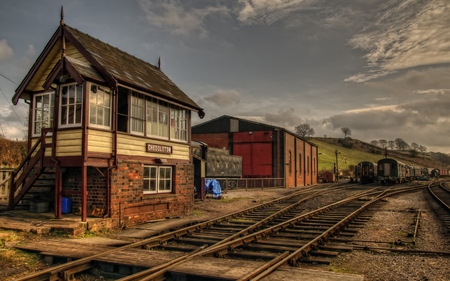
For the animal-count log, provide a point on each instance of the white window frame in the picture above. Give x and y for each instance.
(161, 181)
(179, 124)
(100, 100)
(137, 113)
(157, 114)
(75, 104)
(40, 111)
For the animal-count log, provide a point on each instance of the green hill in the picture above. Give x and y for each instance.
(351, 151)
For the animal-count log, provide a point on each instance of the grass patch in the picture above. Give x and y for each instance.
(197, 213)
(230, 200)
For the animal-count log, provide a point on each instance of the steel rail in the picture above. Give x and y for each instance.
(294, 257)
(52, 272)
(436, 197)
(154, 273)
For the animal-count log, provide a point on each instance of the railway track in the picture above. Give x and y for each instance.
(440, 191)
(279, 232)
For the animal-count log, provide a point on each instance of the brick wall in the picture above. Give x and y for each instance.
(129, 204)
(96, 189)
(216, 140)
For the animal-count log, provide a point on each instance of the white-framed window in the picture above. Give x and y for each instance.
(99, 106)
(178, 123)
(157, 179)
(71, 105)
(43, 111)
(157, 118)
(163, 119)
(137, 113)
(151, 117)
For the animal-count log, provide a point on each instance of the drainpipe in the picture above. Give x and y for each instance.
(115, 91)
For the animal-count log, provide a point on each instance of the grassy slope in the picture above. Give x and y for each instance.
(361, 152)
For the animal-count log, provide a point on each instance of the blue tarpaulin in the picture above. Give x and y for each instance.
(213, 186)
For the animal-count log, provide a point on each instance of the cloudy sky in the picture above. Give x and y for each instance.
(378, 67)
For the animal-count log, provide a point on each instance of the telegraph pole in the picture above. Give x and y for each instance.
(337, 165)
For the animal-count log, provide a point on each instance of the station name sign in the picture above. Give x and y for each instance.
(156, 148)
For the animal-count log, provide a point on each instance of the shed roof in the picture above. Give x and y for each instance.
(217, 125)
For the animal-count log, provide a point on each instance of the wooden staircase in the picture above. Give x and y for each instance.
(32, 181)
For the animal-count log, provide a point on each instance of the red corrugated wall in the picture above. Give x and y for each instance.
(256, 151)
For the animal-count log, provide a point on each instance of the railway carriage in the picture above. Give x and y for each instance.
(391, 171)
(366, 172)
(424, 174)
(412, 172)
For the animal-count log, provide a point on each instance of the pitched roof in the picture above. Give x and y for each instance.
(213, 125)
(108, 63)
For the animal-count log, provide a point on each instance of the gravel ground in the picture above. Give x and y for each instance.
(392, 221)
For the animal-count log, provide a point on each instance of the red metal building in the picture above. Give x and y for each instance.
(267, 151)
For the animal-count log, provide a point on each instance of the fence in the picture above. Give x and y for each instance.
(250, 183)
(5, 177)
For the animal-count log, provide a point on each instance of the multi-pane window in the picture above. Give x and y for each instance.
(148, 116)
(137, 113)
(157, 118)
(157, 179)
(163, 118)
(99, 106)
(178, 123)
(43, 111)
(71, 104)
(152, 116)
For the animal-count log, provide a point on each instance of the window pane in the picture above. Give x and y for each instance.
(71, 104)
(92, 115)
(100, 107)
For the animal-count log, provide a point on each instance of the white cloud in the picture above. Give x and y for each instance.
(6, 51)
(172, 15)
(269, 11)
(224, 98)
(407, 34)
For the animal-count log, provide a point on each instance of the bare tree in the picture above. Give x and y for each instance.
(422, 148)
(347, 132)
(391, 144)
(304, 130)
(383, 143)
(374, 143)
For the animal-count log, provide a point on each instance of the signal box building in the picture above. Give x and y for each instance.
(267, 151)
(108, 132)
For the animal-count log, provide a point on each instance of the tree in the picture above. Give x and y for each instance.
(401, 144)
(374, 143)
(391, 144)
(422, 148)
(383, 143)
(414, 146)
(347, 132)
(304, 130)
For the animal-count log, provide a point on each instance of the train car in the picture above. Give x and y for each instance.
(391, 171)
(412, 173)
(423, 174)
(366, 172)
(435, 173)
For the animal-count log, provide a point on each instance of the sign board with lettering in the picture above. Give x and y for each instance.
(156, 148)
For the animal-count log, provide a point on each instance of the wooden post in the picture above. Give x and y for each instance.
(84, 193)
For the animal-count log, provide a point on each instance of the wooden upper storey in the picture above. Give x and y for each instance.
(100, 99)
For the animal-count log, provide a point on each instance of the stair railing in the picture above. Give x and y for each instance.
(23, 178)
